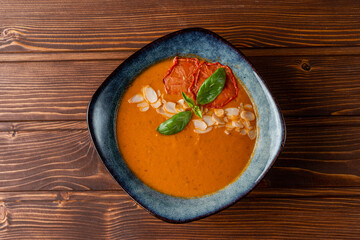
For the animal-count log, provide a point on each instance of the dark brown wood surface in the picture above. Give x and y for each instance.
(55, 54)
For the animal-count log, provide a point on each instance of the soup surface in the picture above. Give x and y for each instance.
(186, 164)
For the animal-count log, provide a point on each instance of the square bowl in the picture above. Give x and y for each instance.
(102, 113)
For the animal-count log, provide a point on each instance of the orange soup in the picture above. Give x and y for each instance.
(200, 159)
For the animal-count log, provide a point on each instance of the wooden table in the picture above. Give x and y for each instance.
(55, 54)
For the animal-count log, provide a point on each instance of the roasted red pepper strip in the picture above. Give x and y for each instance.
(230, 90)
(180, 76)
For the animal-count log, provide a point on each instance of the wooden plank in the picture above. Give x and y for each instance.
(36, 160)
(98, 216)
(42, 126)
(50, 90)
(57, 157)
(64, 56)
(293, 122)
(318, 155)
(114, 195)
(312, 85)
(121, 55)
(62, 90)
(333, 121)
(118, 25)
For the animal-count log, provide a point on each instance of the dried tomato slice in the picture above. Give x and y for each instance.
(230, 90)
(180, 76)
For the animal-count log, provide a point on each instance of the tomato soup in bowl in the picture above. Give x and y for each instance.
(208, 154)
(186, 126)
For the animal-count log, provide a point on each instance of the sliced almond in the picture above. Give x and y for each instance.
(182, 103)
(157, 104)
(210, 111)
(200, 125)
(142, 104)
(243, 132)
(229, 125)
(252, 134)
(237, 124)
(227, 132)
(203, 131)
(136, 98)
(170, 107)
(159, 93)
(179, 108)
(241, 106)
(248, 106)
(162, 112)
(232, 113)
(217, 120)
(249, 116)
(208, 120)
(150, 94)
(247, 124)
(144, 109)
(219, 112)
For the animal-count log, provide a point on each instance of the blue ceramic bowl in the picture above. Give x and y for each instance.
(103, 107)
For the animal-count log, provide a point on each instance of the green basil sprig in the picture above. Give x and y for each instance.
(211, 87)
(175, 124)
(192, 105)
(207, 93)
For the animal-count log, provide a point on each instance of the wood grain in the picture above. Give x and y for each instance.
(312, 85)
(99, 215)
(318, 155)
(303, 86)
(114, 195)
(293, 122)
(121, 55)
(120, 25)
(50, 90)
(60, 156)
(36, 160)
(42, 126)
(55, 54)
(323, 121)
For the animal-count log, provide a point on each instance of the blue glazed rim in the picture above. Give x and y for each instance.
(101, 117)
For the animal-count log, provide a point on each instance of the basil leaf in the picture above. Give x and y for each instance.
(188, 100)
(191, 104)
(175, 124)
(211, 87)
(197, 111)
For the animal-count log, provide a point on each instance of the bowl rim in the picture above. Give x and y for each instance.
(139, 52)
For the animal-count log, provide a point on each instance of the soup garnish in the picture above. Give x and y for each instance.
(207, 93)
(212, 85)
(229, 91)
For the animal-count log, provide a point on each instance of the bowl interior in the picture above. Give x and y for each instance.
(102, 112)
